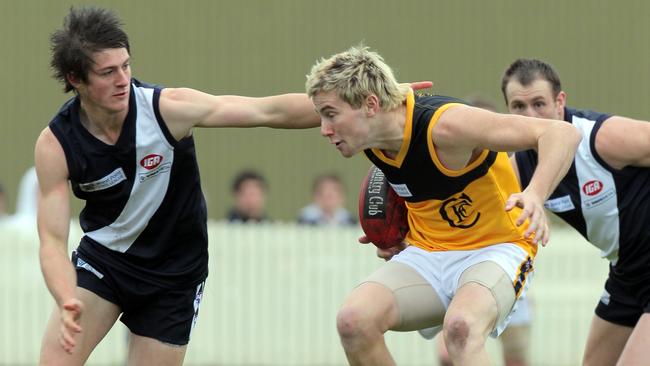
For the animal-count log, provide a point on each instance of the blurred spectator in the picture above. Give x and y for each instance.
(249, 190)
(328, 205)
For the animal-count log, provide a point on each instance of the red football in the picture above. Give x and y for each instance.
(382, 213)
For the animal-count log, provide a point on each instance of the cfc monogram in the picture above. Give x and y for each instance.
(459, 212)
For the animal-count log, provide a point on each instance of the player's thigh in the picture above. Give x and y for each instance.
(636, 348)
(417, 304)
(145, 351)
(616, 315)
(604, 332)
(97, 318)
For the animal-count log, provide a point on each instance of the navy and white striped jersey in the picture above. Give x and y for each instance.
(609, 207)
(145, 214)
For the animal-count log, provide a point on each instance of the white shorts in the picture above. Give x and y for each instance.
(443, 269)
(521, 315)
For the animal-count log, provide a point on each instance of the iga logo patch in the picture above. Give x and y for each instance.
(151, 161)
(592, 188)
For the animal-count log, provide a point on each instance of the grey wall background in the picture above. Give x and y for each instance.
(262, 47)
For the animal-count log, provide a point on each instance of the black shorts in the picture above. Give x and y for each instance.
(625, 298)
(167, 315)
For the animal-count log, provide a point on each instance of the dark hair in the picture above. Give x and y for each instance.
(85, 31)
(525, 71)
(246, 175)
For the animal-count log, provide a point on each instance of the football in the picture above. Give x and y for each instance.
(382, 213)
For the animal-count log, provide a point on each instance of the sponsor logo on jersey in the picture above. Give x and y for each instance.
(459, 212)
(595, 193)
(592, 188)
(154, 165)
(112, 179)
(402, 190)
(560, 204)
(151, 161)
(605, 196)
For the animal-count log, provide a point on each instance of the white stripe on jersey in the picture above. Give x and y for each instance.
(597, 195)
(149, 186)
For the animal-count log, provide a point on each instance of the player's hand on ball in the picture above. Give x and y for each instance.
(385, 253)
(388, 253)
(71, 312)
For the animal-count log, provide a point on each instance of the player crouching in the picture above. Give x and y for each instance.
(472, 234)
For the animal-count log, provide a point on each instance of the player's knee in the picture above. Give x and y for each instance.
(459, 335)
(352, 324)
(456, 332)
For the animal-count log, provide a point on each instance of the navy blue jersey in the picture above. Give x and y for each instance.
(144, 212)
(609, 207)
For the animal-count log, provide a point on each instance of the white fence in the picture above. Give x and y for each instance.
(274, 290)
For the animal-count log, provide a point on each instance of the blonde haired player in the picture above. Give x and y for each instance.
(473, 234)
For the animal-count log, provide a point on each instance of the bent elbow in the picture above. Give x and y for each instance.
(575, 135)
(569, 134)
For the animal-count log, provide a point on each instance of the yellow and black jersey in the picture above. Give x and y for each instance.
(450, 209)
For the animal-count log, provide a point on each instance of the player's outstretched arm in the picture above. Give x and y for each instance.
(53, 229)
(184, 108)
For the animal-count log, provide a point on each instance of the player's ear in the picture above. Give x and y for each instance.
(560, 103)
(560, 100)
(371, 105)
(73, 79)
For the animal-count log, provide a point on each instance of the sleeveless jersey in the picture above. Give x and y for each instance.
(609, 207)
(144, 212)
(450, 209)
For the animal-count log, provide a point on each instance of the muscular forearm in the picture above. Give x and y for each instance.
(556, 150)
(58, 271)
(292, 111)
